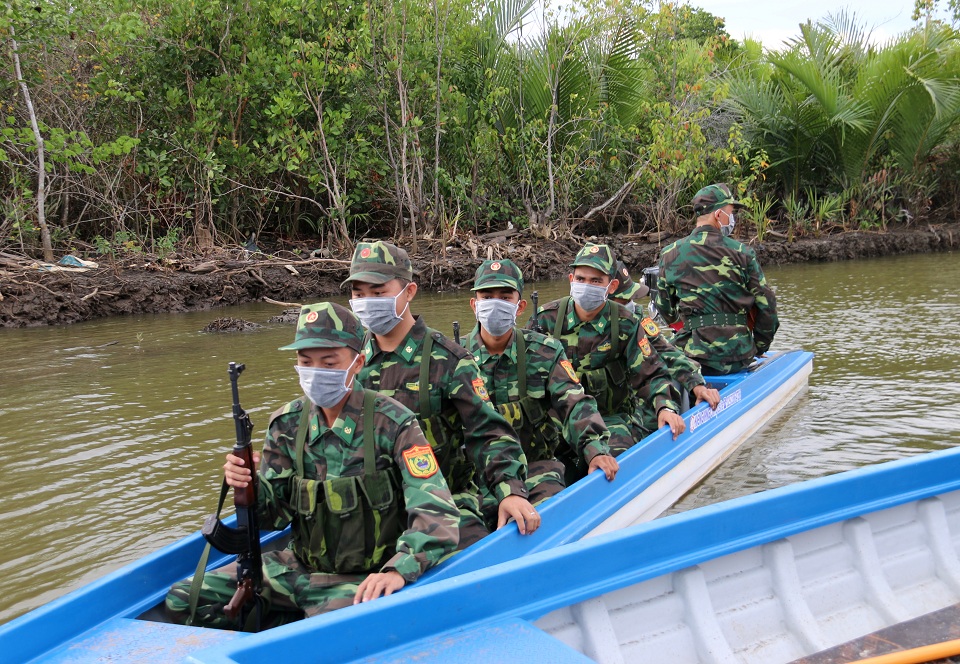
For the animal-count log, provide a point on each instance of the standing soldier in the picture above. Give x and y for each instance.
(715, 287)
(684, 372)
(351, 472)
(439, 381)
(610, 355)
(533, 385)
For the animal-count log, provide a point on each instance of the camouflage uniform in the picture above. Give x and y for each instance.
(341, 499)
(715, 286)
(683, 371)
(456, 415)
(612, 373)
(549, 405)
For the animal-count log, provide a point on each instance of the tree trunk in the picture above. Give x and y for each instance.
(41, 168)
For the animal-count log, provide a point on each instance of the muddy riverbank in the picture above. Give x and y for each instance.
(32, 294)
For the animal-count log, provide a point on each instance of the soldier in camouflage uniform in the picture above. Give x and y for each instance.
(533, 385)
(715, 287)
(446, 392)
(351, 472)
(684, 372)
(610, 354)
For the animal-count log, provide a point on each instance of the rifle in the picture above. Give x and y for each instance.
(456, 332)
(537, 327)
(244, 540)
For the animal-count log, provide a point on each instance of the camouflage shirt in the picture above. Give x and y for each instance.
(556, 402)
(431, 517)
(589, 348)
(463, 415)
(706, 279)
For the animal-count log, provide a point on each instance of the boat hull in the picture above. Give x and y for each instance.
(101, 619)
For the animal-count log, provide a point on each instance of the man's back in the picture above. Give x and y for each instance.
(715, 286)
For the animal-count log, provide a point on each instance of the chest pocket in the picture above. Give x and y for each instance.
(528, 414)
(606, 383)
(347, 525)
(447, 444)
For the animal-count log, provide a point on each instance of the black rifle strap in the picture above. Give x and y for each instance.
(197, 581)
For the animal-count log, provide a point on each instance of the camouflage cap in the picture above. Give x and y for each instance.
(713, 197)
(628, 288)
(597, 256)
(498, 274)
(379, 262)
(327, 325)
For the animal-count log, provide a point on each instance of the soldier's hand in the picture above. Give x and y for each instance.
(606, 463)
(379, 585)
(236, 474)
(708, 394)
(520, 510)
(671, 419)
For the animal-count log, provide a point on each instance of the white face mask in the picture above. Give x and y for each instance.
(324, 387)
(588, 296)
(378, 314)
(631, 306)
(731, 223)
(497, 316)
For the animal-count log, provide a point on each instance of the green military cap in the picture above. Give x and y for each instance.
(713, 197)
(597, 256)
(628, 288)
(379, 262)
(327, 325)
(498, 274)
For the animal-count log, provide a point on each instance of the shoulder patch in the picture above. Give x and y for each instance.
(569, 369)
(650, 327)
(480, 388)
(645, 347)
(420, 461)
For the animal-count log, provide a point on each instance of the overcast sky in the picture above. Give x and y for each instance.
(773, 21)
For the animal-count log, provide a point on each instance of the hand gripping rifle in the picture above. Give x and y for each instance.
(537, 327)
(244, 540)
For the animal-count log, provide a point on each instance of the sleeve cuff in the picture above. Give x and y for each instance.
(510, 488)
(594, 449)
(405, 565)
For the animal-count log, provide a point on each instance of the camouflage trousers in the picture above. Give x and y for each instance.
(544, 480)
(624, 433)
(723, 368)
(290, 592)
(472, 527)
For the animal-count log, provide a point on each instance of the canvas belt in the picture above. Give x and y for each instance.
(709, 320)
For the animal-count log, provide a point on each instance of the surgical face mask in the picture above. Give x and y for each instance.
(631, 306)
(497, 316)
(324, 387)
(731, 223)
(588, 296)
(378, 314)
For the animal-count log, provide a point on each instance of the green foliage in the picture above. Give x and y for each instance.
(180, 120)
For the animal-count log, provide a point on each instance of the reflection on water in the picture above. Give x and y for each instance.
(114, 431)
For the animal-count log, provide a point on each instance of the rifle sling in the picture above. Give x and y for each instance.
(197, 581)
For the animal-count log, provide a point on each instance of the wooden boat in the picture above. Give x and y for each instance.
(825, 571)
(118, 617)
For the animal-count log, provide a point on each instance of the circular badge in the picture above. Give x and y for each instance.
(594, 249)
(495, 266)
(625, 272)
(312, 316)
(365, 252)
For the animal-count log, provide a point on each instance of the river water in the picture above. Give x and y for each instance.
(113, 432)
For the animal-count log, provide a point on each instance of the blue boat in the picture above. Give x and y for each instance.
(118, 617)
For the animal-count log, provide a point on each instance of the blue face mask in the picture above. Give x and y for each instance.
(324, 387)
(588, 296)
(731, 224)
(378, 314)
(631, 306)
(496, 316)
